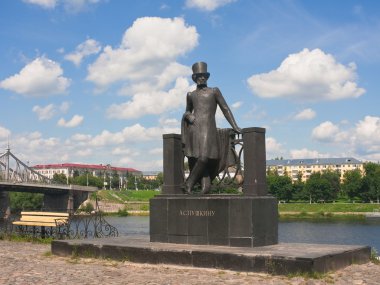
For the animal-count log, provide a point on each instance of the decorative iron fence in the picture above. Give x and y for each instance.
(233, 171)
(79, 226)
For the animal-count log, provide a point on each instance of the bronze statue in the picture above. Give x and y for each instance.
(200, 136)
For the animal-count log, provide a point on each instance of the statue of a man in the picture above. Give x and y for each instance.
(199, 132)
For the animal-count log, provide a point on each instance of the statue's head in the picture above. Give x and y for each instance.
(200, 72)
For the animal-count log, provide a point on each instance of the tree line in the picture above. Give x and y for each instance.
(326, 186)
(110, 181)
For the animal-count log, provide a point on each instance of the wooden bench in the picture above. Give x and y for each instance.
(42, 219)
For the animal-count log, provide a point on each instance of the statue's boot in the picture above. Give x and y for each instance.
(206, 185)
(195, 175)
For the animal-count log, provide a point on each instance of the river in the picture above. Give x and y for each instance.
(333, 232)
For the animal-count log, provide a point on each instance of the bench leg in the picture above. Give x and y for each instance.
(42, 232)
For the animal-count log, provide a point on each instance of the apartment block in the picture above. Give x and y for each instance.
(305, 167)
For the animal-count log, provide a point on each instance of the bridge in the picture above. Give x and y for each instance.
(16, 176)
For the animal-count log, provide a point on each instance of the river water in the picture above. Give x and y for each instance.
(330, 232)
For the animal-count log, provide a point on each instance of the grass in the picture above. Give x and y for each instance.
(329, 207)
(18, 238)
(126, 195)
(308, 275)
(374, 256)
(320, 216)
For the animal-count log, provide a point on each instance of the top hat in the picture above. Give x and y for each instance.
(200, 68)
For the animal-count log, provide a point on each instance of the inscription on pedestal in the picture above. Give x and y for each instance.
(196, 213)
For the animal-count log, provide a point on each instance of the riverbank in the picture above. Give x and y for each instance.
(29, 263)
(305, 212)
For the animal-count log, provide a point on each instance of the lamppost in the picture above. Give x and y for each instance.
(104, 180)
(136, 184)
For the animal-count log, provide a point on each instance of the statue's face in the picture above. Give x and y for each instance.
(201, 79)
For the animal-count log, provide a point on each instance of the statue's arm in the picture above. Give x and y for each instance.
(189, 109)
(226, 110)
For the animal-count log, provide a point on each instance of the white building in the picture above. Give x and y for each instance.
(305, 167)
(98, 170)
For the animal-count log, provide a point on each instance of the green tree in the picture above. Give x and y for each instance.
(352, 183)
(115, 180)
(318, 188)
(280, 186)
(26, 201)
(160, 179)
(370, 188)
(59, 178)
(333, 178)
(375, 190)
(88, 178)
(299, 189)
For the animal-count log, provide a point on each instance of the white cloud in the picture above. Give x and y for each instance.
(122, 151)
(47, 112)
(236, 105)
(309, 76)
(367, 135)
(135, 133)
(157, 150)
(89, 47)
(169, 122)
(75, 121)
(75, 6)
(44, 113)
(84, 152)
(362, 140)
(306, 114)
(40, 78)
(64, 107)
(145, 65)
(306, 153)
(148, 47)
(72, 6)
(325, 132)
(272, 146)
(46, 4)
(156, 102)
(207, 5)
(4, 133)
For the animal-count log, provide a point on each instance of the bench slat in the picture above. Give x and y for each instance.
(45, 214)
(42, 219)
(19, 223)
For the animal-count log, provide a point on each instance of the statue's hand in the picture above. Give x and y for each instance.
(191, 118)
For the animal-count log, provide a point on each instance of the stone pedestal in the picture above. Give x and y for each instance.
(231, 220)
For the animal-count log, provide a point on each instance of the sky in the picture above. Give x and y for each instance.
(100, 81)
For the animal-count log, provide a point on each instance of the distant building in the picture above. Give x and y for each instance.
(98, 170)
(150, 175)
(305, 167)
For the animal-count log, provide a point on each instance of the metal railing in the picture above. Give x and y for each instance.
(79, 226)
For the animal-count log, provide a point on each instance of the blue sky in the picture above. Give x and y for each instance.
(100, 81)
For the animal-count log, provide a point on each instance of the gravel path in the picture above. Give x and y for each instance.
(28, 263)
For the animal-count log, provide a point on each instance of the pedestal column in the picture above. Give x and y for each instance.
(254, 162)
(173, 164)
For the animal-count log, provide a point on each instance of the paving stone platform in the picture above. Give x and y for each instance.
(283, 258)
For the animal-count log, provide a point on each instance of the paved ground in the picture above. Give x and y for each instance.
(27, 263)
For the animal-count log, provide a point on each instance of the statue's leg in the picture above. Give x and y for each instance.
(206, 184)
(196, 173)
